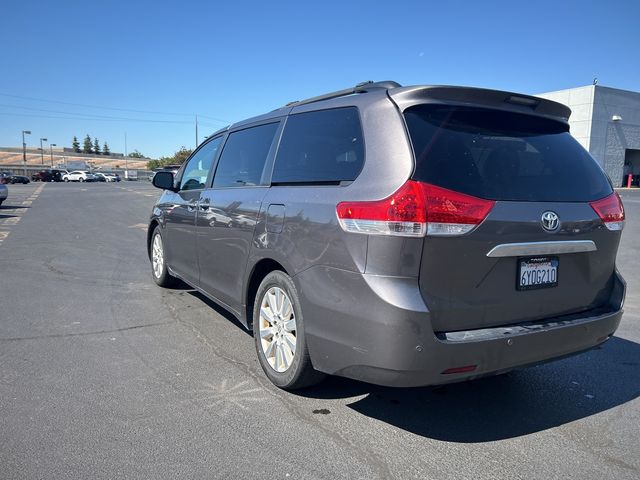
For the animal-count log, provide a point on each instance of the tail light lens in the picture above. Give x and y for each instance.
(611, 211)
(414, 210)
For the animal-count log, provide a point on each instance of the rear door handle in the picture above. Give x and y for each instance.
(191, 206)
(204, 204)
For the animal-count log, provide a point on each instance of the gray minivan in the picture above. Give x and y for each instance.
(402, 236)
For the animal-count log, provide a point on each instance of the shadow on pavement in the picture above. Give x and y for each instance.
(7, 206)
(506, 406)
(225, 313)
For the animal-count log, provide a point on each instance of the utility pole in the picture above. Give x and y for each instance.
(24, 150)
(51, 145)
(42, 150)
(197, 131)
(126, 163)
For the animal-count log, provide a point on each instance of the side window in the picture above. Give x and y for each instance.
(323, 146)
(194, 175)
(244, 156)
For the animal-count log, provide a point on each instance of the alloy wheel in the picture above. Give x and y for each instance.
(277, 329)
(157, 256)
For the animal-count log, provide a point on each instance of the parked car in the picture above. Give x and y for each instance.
(112, 177)
(4, 193)
(401, 236)
(78, 176)
(16, 179)
(167, 168)
(99, 177)
(46, 176)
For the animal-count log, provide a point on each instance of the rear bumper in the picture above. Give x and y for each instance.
(377, 329)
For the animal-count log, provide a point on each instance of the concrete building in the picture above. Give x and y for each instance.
(606, 121)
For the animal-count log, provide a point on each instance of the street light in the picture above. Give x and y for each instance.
(42, 150)
(24, 150)
(51, 145)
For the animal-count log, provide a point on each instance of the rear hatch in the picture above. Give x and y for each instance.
(533, 184)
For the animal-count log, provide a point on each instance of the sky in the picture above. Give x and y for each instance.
(146, 68)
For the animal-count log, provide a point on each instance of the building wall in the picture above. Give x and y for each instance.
(591, 123)
(609, 139)
(580, 101)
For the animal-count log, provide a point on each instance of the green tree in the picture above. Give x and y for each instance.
(86, 145)
(105, 149)
(181, 155)
(178, 158)
(75, 145)
(96, 146)
(136, 154)
(151, 164)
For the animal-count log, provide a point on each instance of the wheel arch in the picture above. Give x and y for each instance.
(152, 226)
(259, 271)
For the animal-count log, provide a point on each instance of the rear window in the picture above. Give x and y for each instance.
(325, 146)
(502, 156)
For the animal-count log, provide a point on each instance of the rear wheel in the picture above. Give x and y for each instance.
(278, 332)
(66, 179)
(159, 270)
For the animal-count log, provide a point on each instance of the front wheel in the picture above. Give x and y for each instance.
(81, 179)
(278, 331)
(159, 270)
(66, 180)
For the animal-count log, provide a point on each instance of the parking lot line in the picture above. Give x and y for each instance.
(10, 217)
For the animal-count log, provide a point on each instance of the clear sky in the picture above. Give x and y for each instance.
(103, 66)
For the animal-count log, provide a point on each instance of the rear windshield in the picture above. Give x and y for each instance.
(502, 156)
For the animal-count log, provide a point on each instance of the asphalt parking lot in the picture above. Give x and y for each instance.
(105, 375)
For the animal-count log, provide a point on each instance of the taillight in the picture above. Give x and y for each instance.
(611, 211)
(414, 210)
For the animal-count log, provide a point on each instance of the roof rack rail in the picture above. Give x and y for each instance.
(362, 87)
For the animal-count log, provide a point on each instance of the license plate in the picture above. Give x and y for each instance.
(540, 272)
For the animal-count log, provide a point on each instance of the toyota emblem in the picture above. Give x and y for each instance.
(550, 221)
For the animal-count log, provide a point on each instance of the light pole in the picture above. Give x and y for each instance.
(24, 150)
(51, 145)
(42, 150)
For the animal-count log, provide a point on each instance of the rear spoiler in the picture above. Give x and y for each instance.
(406, 97)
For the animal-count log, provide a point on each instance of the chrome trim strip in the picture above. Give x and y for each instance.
(541, 248)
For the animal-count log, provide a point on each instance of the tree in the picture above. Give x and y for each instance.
(86, 145)
(105, 149)
(177, 158)
(96, 146)
(75, 145)
(181, 155)
(152, 164)
(136, 154)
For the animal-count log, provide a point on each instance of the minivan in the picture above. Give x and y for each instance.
(403, 236)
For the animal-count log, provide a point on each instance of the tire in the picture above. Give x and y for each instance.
(66, 180)
(287, 372)
(160, 273)
(81, 179)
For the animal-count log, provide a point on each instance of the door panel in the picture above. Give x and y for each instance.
(180, 216)
(226, 222)
(180, 239)
(228, 212)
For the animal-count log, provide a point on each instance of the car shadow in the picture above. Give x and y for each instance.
(6, 206)
(220, 310)
(506, 406)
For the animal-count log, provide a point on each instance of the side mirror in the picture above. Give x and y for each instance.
(163, 180)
